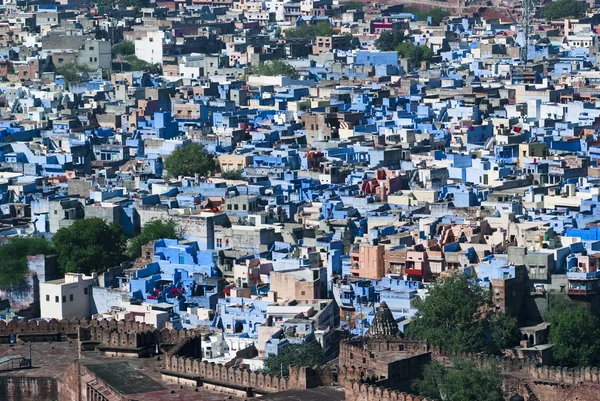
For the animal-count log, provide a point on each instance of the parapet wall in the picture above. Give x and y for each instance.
(184, 361)
(108, 331)
(529, 368)
(356, 391)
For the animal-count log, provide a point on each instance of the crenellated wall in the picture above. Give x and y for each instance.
(356, 391)
(111, 333)
(548, 383)
(183, 362)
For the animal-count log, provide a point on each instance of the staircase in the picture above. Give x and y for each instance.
(530, 394)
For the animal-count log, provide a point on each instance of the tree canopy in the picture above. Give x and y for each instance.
(189, 160)
(353, 5)
(309, 31)
(232, 175)
(457, 315)
(273, 68)
(437, 14)
(308, 354)
(416, 54)
(574, 332)
(460, 382)
(563, 9)
(71, 72)
(90, 245)
(389, 40)
(153, 230)
(136, 64)
(124, 48)
(13, 258)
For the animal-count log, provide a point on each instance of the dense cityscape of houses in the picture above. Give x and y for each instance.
(350, 173)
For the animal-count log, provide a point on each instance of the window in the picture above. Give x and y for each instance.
(244, 207)
(303, 293)
(236, 207)
(91, 59)
(219, 242)
(64, 297)
(85, 291)
(71, 297)
(47, 298)
(91, 47)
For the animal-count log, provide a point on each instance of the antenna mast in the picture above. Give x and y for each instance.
(528, 13)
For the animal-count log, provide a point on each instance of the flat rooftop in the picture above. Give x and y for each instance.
(130, 377)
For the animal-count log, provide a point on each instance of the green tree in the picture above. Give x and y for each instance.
(153, 230)
(353, 5)
(232, 175)
(309, 31)
(460, 382)
(389, 40)
(13, 258)
(309, 354)
(574, 332)
(189, 160)
(124, 48)
(71, 72)
(90, 245)
(416, 54)
(457, 315)
(136, 64)
(437, 14)
(272, 68)
(563, 9)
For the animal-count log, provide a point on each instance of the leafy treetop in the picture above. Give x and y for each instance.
(457, 315)
(273, 68)
(574, 332)
(189, 160)
(389, 40)
(563, 9)
(124, 48)
(13, 258)
(153, 230)
(309, 31)
(308, 354)
(460, 382)
(90, 245)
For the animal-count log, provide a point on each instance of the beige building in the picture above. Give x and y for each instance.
(234, 162)
(68, 297)
(298, 284)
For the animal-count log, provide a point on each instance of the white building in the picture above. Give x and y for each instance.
(67, 298)
(150, 48)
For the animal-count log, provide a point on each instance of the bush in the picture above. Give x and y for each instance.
(232, 175)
